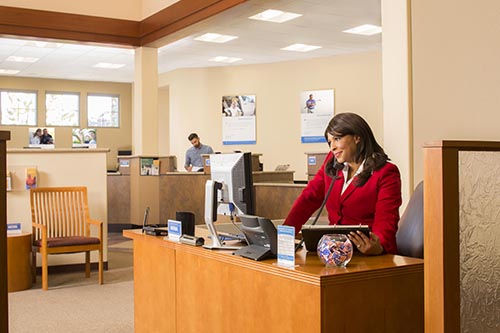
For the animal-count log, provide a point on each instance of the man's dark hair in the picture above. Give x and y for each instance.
(192, 136)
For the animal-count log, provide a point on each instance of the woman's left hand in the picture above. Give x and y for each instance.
(369, 246)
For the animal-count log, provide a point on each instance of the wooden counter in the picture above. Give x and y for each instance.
(195, 289)
(19, 261)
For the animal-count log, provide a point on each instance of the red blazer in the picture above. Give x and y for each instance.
(376, 203)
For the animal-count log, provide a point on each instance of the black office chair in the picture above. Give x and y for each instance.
(410, 235)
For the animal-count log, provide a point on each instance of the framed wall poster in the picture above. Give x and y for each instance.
(41, 137)
(316, 110)
(238, 120)
(84, 138)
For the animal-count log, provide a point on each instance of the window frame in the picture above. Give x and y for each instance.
(27, 91)
(104, 95)
(52, 92)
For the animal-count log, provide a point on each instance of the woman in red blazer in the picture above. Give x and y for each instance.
(367, 189)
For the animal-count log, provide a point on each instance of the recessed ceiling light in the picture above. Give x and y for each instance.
(301, 48)
(22, 59)
(365, 29)
(108, 65)
(8, 71)
(48, 45)
(225, 59)
(215, 38)
(277, 16)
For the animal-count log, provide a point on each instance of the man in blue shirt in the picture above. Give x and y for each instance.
(194, 161)
(310, 104)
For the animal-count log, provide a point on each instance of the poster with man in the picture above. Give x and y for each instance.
(317, 108)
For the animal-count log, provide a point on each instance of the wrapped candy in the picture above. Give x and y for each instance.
(335, 250)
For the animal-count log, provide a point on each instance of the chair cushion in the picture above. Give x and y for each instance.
(68, 241)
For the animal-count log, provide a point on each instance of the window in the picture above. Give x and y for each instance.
(18, 108)
(103, 111)
(62, 109)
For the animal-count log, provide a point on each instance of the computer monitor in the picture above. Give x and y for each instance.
(229, 191)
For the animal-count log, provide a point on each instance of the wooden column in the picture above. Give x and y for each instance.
(455, 189)
(4, 309)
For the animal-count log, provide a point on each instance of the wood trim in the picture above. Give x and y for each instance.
(442, 234)
(451, 241)
(93, 29)
(83, 28)
(181, 15)
(4, 308)
(465, 145)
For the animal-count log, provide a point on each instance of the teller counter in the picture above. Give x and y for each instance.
(171, 192)
(195, 290)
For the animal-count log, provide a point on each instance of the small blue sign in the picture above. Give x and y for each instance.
(286, 246)
(207, 162)
(311, 160)
(312, 139)
(174, 230)
(250, 142)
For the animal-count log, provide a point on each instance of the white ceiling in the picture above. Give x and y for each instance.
(322, 24)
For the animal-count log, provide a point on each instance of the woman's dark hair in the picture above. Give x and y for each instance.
(368, 149)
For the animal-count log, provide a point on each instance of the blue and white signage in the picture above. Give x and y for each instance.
(174, 230)
(316, 110)
(286, 246)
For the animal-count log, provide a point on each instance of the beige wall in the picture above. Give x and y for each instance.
(112, 138)
(73, 168)
(195, 103)
(135, 10)
(456, 81)
(120, 9)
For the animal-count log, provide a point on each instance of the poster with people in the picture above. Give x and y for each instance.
(238, 120)
(84, 138)
(316, 109)
(41, 137)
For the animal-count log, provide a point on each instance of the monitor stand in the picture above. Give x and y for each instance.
(254, 252)
(211, 204)
(216, 243)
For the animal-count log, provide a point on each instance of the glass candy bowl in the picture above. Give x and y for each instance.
(335, 250)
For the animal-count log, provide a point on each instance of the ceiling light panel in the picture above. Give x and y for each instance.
(8, 71)
(228, 60)
(365, 29)
(215, 38)
(276, 16)
(108, 65)
(301, 48)
(22, 59)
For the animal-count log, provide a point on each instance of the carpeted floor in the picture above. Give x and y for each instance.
(76, 304)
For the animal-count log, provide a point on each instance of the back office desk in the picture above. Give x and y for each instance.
(182, 288)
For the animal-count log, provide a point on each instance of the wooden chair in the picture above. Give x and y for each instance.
(61, 224)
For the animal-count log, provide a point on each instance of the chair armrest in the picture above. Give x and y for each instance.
(96, 222)
(99, 226)
(38, 226)
(43, 228)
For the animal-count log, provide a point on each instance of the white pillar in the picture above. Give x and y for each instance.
(396, 85)
(145, 124)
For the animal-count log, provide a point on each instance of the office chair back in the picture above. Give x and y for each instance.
(410, 235)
